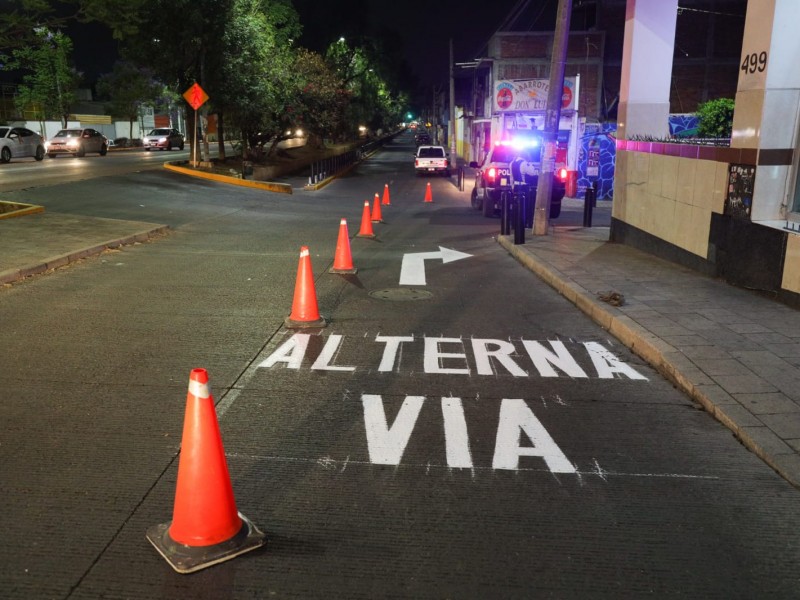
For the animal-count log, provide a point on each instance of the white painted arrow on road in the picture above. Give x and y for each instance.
(412, 271)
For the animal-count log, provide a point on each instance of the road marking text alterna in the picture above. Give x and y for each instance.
(457, 356)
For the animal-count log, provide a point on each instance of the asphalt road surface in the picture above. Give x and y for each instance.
(458, 430)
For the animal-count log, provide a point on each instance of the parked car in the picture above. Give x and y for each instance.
(422, 138)
(18, 142)
(163, 139)
(77, 142)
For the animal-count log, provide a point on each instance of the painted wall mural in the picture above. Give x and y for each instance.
(596, 159)
(598, 153)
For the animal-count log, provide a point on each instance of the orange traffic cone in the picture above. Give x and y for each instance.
(377, 217)
(386, 198)
(366, 223)
(305, 312)
(343, 261)
(428, 195)
(206, 528)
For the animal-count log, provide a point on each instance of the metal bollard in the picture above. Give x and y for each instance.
(519, 218)
(588, 204)
(530, 207)
(505, 214)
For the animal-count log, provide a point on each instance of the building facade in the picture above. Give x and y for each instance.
(732, 212)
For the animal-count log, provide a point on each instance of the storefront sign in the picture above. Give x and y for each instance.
(531, 94)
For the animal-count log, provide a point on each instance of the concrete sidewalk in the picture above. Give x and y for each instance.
(733, 351)
(39, 242)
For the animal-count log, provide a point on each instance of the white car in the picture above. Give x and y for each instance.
(164, 139)
(18, 142)
(77, 142)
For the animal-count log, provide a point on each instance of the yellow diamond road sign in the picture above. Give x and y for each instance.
(195, 96)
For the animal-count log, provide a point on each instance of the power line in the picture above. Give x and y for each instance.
(708, 12)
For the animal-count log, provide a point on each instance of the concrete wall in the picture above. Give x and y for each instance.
(791, 269)
(670, 197)
(673, 196)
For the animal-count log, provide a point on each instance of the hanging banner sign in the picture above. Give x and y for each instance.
(531, 94)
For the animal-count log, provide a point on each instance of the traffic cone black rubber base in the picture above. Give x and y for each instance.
(321, 322)
(188, 559)
(352, 271)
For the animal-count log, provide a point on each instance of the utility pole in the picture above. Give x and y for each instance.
(433, 116)
(541, 214)
(451, 130)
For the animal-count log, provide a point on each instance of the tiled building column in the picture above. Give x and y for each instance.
(647, 68)
(767, 115)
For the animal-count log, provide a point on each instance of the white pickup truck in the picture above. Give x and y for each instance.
(432, 159)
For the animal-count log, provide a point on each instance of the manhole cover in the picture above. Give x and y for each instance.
(401, 294)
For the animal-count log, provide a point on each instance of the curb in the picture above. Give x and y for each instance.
(60, 260)
(659, 355)
(29, 209)
(283, 188)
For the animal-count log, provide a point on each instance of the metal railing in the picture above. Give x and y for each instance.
(330, 166)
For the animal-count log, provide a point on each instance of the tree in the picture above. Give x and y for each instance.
(251, 83)
(716, 118)
(373, 103)
(320, 97)
(50, 81)
(235, 49)
(129, 87)
(20, 18)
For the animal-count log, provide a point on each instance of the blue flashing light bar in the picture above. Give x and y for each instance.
(519, 143)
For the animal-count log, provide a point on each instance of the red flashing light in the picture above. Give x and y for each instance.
(562, 174)
(491, 173)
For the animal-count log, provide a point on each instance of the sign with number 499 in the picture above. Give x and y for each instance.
(753, 63)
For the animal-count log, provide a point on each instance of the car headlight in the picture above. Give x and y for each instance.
(72, 142)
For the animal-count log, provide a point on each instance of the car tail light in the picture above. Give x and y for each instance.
(491, 174)
(562, 174)
(416, 162)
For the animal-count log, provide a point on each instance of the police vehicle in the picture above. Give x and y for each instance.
(494, 175)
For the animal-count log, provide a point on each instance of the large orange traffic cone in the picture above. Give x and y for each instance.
(305, 312)
(343, 261)
(377, 217)
(366, 223)
(386, 198)
(428, 195)
(206, 528)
